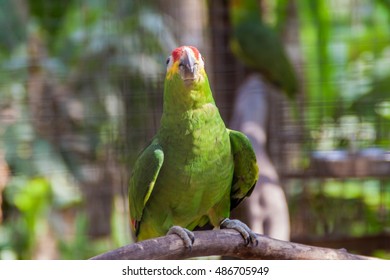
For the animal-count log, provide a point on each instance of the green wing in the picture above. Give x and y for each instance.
(142, 180)
(246, 170)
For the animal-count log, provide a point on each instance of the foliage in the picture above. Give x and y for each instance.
(111, 55)
(346, 78)
(349, 208)
(346, 51)
(31, 198)
(108, 52)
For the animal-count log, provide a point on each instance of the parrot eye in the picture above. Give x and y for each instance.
(169, 62)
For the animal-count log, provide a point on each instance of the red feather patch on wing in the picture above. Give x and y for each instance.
(135, 225)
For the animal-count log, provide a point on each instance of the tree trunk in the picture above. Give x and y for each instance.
(266, 210)
(189, 21)
(4, 177)
(57, 115)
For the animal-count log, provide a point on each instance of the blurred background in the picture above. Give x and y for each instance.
(81, 94)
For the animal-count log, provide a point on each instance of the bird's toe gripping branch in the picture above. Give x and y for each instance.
(248, 235)
(186, 235)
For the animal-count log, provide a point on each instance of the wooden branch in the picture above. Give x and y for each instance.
(226, 243)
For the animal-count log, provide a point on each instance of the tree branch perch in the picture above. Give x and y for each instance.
(225, 243)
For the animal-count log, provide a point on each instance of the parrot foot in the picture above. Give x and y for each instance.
(248, 235)
(186, 235)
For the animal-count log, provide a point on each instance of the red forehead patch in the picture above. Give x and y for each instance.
(176, 54)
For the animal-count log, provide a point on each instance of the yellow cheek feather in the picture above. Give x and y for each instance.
(174, 69)
(202, 73)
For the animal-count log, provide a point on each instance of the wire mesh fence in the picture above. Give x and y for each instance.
(81, 95)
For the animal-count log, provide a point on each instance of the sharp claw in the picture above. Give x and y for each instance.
(186, 235)
(248, 235)
(192, 237)
(254, 240)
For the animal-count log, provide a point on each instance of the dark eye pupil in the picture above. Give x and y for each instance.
(167, 60)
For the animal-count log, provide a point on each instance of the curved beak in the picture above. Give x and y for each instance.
(188, 66)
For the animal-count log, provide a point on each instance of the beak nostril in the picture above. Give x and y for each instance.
(181, 64)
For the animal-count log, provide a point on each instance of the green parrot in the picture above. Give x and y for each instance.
(258, 47)
(195, 170)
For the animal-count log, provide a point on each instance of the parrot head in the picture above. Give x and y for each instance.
(186, 83)
(187, 63)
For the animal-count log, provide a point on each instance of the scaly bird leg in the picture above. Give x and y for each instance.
(186, 235)
(248, 235)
